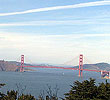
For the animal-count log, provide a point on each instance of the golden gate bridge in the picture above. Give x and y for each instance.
(80, 69)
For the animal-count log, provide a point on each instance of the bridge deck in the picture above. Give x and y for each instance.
(64, 68)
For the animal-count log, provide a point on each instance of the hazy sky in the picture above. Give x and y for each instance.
(55, 31)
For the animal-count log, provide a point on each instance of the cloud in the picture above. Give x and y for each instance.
(48, 22)
(89, 4)
(51, 48)
(17, 40)
(57, 22)
(4, 34)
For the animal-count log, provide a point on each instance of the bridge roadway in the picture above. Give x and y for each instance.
(64, 68)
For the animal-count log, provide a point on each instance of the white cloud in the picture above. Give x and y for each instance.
(54, 22)
(53, 48)
(89, 4)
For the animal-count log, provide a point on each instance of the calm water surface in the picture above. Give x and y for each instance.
(37, 81)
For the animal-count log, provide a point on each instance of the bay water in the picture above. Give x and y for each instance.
(38, 81)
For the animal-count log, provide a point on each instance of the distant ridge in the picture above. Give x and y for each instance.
(97, 66)
(7, 66)
(12, 66)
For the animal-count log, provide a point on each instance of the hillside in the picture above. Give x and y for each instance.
(7, 66)
(98, 66)
(12, 66)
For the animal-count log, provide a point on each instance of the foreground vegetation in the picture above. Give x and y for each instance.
(86, 90)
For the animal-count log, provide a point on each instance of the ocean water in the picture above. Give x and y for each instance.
(38, 81)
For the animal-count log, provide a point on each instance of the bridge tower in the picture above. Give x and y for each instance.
(80, 65)
(22, 63)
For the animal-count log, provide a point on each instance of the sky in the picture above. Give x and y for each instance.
(55, 31)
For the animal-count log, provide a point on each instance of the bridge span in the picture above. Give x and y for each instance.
(104, 73)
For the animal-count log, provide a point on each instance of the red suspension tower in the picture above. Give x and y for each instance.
(22, 63)
(80, 65)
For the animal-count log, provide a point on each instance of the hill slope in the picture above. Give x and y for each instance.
(7, 66)
(12, 66)
(98, 66)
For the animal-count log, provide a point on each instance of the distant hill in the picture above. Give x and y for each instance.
(7, 66)
(12, 66)
(98, 66)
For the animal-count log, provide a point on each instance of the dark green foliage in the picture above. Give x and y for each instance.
(12, 95)
(104, 91)
(15, 95)
(82, 91)
(1, 85)
(26, 97)
(1, 94)
(87, 90)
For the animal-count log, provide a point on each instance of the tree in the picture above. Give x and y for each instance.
(26, 97)
(104, 91)
(1, 94)
(18, 95)
(87, 90)
(11, 95)
(14, 95)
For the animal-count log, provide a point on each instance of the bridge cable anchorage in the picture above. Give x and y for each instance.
(28, 60)
(18, 59)
(22, 64)
(89, 62)
(70, 62)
